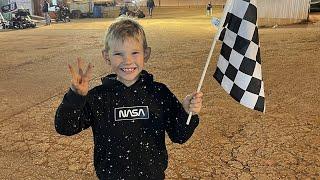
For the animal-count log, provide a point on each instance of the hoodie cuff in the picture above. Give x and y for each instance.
(74, 99)
(194, 121)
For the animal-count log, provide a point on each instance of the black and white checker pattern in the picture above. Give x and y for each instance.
(239, 65)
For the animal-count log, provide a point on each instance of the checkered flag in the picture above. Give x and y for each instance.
(239, 65)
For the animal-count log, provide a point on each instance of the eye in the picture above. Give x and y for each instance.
(136, 52)
(117, 54)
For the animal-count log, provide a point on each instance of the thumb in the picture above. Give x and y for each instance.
(192, 95)
(188, 97)
(187, 101)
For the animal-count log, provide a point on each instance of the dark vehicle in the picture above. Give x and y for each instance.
(124, 10)
(315, 6)
(20, 20)
(62, 14)
(4, 24)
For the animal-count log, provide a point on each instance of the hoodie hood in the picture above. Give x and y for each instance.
(111, 82)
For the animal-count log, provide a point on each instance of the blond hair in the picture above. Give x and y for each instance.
(123, 28)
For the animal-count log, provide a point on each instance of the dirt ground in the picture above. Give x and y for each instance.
(231, 142)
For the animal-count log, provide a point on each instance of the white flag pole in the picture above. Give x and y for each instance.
(2, 18)
(227, 7)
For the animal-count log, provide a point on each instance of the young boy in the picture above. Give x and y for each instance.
(130, 112)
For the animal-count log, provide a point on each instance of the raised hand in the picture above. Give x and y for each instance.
(193, 103)
(80, 80)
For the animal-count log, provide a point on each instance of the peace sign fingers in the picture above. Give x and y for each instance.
(88, 74)
(80, 80)
(80, 66)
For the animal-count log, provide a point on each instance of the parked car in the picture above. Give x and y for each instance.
(315, 6)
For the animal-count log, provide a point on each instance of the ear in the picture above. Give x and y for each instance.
(147, 53)
(106, 57)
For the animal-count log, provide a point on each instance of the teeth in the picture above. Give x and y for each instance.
(128, 69)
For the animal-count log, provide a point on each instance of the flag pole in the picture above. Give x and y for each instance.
(2, 18)
(227, 7)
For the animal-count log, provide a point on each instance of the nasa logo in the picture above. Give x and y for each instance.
(131, 113)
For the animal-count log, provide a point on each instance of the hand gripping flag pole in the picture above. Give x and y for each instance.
(225, 12)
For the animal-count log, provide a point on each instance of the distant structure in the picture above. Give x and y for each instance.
(281, 12)
(270, 12)
(31, 5)
(188, 2)
(34, 6)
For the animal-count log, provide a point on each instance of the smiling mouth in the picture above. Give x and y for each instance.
(128, 70)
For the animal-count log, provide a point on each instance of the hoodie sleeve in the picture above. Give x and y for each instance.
(176, 127)
(73, 115)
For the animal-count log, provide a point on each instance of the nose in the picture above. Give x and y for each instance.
(128, 59)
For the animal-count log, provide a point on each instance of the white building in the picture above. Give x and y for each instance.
(272, 12)
(182, 2)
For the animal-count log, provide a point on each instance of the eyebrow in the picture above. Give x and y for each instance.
(132, 50)
(113, 52)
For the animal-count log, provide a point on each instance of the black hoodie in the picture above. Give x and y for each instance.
(128, 124)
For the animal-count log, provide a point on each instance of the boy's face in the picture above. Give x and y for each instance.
(127, 59)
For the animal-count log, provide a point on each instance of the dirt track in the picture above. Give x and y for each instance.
(231, 142)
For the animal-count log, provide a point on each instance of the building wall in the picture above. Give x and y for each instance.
(296, 9)
(184, 2)
(272, 12)
(191, 2)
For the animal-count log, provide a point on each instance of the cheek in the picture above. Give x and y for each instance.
(114, 64)
(139, 58)
(114, 67)
(114, 61)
